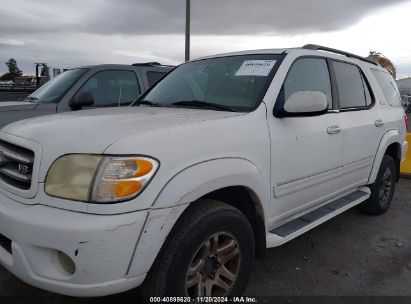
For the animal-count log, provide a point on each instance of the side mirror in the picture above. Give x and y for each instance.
(306, 103)
(83, 99)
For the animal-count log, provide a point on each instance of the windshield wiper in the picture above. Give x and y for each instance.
(149, 103)
(202, 104)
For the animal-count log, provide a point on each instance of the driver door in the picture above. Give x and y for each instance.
(306, 156)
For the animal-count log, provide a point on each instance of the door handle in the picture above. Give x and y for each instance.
(333, 130)
(379, 123)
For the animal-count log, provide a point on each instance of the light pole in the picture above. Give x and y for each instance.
(188, 13)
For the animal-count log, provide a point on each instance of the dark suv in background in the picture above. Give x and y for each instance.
(94, 86)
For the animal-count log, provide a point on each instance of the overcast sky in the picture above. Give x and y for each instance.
(70, 33)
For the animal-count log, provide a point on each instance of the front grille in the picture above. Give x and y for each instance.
(5, 243)
(16, 165)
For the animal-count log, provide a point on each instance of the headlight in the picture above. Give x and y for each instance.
(71, 176)
(98, 179)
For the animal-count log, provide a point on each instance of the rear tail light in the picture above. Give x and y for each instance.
(406, 121)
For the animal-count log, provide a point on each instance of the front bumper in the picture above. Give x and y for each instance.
(101, 246)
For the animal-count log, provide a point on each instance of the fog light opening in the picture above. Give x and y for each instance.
(66, 263)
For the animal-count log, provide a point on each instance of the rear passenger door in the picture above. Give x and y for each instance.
(360, 121)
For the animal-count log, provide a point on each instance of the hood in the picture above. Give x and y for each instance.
(92, 131)
(6, 106)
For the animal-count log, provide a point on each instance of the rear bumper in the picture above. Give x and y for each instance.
(101, 247)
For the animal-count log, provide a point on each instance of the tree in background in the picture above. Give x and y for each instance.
(14, 71)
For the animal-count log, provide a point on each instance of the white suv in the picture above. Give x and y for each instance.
(225, 157)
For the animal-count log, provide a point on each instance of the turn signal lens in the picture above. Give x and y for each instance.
(127, 188)
(143, 167)
(126, 168)
(120, 179)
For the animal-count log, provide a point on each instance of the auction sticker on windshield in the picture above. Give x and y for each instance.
(256, 68)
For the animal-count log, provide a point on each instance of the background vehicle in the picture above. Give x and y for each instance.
(406, 103)
(225, 157)
(22, 86)
(86, 87)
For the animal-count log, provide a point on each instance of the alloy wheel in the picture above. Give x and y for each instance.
(214, 267)
(386, 185)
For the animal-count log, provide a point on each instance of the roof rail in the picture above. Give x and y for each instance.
(316, 47)
(147, 64)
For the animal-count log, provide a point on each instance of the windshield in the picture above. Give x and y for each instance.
(235, 83)
(53, 90)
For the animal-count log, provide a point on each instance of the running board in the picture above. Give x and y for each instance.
(298, 226)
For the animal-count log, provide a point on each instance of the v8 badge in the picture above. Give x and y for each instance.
(24, 169)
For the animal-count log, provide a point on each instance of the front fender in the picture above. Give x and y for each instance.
(389, 138)
(184, 188)
(200, 179)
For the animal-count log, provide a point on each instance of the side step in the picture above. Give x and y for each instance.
(298, 226)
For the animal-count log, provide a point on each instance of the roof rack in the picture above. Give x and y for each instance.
(147, 64)
(316, 47)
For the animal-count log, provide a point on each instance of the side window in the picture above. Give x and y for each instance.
(352, 89)
(154, 77)
(368, 97)
(112, 88)
(309, 74)
(388, 86)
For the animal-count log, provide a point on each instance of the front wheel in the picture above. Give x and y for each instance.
(383, 188)
(208, 254)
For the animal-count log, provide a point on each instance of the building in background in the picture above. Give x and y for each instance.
(404, 85)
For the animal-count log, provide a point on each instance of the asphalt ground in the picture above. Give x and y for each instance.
(349, 257)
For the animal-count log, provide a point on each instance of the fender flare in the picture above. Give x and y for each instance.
(390, 137)
(195, 181)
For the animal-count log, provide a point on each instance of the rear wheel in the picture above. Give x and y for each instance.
(209, 252)
(383, 188)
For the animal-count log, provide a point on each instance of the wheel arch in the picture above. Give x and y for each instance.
(390, 144)
(198, 180)
(234, 181)
(245, 200)
(214, 179)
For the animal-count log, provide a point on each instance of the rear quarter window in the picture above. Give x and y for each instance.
(388, 87)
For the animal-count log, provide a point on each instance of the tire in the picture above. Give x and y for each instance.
(383, 188)
(192, 242)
